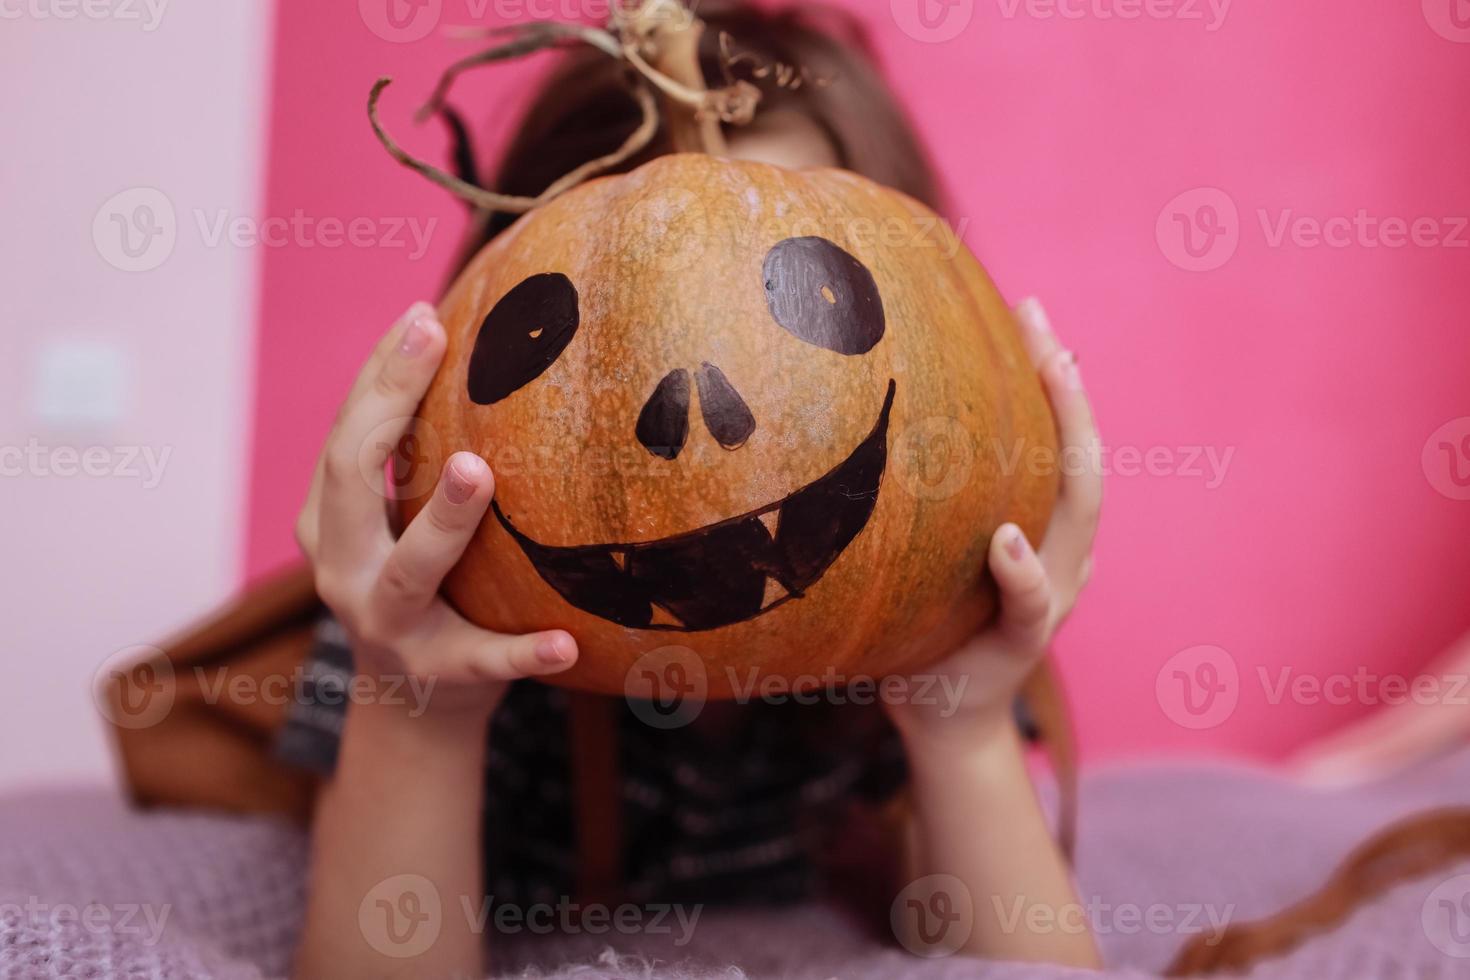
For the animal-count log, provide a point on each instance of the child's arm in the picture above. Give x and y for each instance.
(395, 851)
(977, 827)
(395, 873)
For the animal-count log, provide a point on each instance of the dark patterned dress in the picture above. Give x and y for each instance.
(737, 811)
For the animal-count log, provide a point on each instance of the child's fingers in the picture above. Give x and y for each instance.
(353, 520)
(464, 653)
(435, 539)
(1025, 591)
(386, 347)
(1073, 526)
(309, 520)
(1036, 331)
(1069, 537)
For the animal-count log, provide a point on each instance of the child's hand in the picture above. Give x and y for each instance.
(386, 592)
(1037, 590)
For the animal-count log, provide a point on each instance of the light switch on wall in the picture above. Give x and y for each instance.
(81, 381)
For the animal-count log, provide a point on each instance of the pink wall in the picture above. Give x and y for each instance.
(125, 379)
(1333, 546)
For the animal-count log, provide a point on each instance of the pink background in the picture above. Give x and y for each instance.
(1076, 140)
(115, 362)
(1326, 549)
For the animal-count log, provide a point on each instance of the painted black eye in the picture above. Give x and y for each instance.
(522, 336)
(823, 295)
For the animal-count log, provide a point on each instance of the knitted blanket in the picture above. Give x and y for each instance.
(92, 888)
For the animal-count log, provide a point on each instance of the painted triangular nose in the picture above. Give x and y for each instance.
(663, 422)
(726, 415)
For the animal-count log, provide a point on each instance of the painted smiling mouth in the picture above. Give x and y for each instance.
(724, 572)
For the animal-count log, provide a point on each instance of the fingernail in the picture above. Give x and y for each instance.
(1016, 544)
(459, 480)
(550, 650)
(1071, 373)
(415, 335)
(1033, 315)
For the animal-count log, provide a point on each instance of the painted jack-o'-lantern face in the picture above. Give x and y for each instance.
(742, 405)
(723, 572)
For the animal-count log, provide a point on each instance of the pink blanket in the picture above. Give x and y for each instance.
(89, 888)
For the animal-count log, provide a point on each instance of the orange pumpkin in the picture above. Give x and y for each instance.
(755, 421)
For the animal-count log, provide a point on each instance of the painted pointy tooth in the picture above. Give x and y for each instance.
(708, 579)
(588, 578)
(662, 617)
(725, 572)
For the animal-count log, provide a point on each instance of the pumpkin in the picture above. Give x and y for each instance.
(759, 422)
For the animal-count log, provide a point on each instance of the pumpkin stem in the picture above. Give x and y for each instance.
(668, 33)
(664, 30)
(692, 127)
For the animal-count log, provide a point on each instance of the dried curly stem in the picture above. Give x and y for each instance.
(529, 38)
(477, 196)
(790, 77)
(513, 204)
(693, 127)
(664, 30)
(679, 79)
(635, 142)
